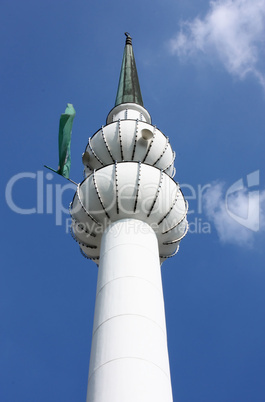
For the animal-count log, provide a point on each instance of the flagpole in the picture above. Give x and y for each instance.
(55, 171)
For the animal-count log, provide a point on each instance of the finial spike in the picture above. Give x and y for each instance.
(128, 38)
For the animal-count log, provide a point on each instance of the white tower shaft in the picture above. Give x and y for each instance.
(129, 356)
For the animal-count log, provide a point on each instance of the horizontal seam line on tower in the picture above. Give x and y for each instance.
(119, 245)
(128, 357)
(136, 315)
(130, 276)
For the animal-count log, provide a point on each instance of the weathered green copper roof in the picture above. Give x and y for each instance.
(129, 88)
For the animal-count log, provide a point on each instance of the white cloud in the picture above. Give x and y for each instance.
(233, 31)
(237, 217)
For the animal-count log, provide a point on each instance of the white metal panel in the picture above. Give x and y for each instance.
(139, 296)
(146, 271)
(130, 379)
(137, 337)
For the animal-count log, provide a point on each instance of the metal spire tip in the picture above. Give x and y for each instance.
(128, 38)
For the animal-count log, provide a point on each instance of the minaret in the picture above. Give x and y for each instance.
(129, 215)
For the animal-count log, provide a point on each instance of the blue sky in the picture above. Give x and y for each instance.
(202, 74)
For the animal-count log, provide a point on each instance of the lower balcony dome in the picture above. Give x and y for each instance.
(128, 190)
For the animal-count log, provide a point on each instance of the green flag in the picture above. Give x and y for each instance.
(65, 132)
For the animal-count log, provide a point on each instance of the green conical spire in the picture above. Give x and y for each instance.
(129, 88)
